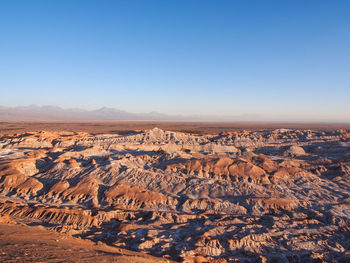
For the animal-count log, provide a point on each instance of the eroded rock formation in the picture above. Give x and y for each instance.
(266, 196)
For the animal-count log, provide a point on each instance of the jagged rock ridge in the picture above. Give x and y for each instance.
(269, 196)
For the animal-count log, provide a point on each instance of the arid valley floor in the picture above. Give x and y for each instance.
(183, 192)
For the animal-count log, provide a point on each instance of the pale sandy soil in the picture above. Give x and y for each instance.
(22, 243)
(98, 127)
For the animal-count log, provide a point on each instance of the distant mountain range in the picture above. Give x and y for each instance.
(55, 113)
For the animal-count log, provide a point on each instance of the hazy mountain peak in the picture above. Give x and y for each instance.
(50, 112)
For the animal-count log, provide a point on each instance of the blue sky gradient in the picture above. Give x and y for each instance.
(281, 60)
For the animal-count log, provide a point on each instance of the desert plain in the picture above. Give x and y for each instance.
(174, 192)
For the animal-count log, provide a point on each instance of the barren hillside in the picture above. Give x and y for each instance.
(279, 195)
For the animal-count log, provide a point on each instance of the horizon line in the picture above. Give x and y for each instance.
(245, 118)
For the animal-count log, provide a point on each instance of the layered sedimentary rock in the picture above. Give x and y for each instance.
(265, 196)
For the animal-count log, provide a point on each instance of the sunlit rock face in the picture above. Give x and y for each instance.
(264, 196)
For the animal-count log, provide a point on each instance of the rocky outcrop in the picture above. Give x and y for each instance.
(135, 197)
(245, 196)
(225, 168)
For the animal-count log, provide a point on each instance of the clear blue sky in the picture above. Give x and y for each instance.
(277, 59)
